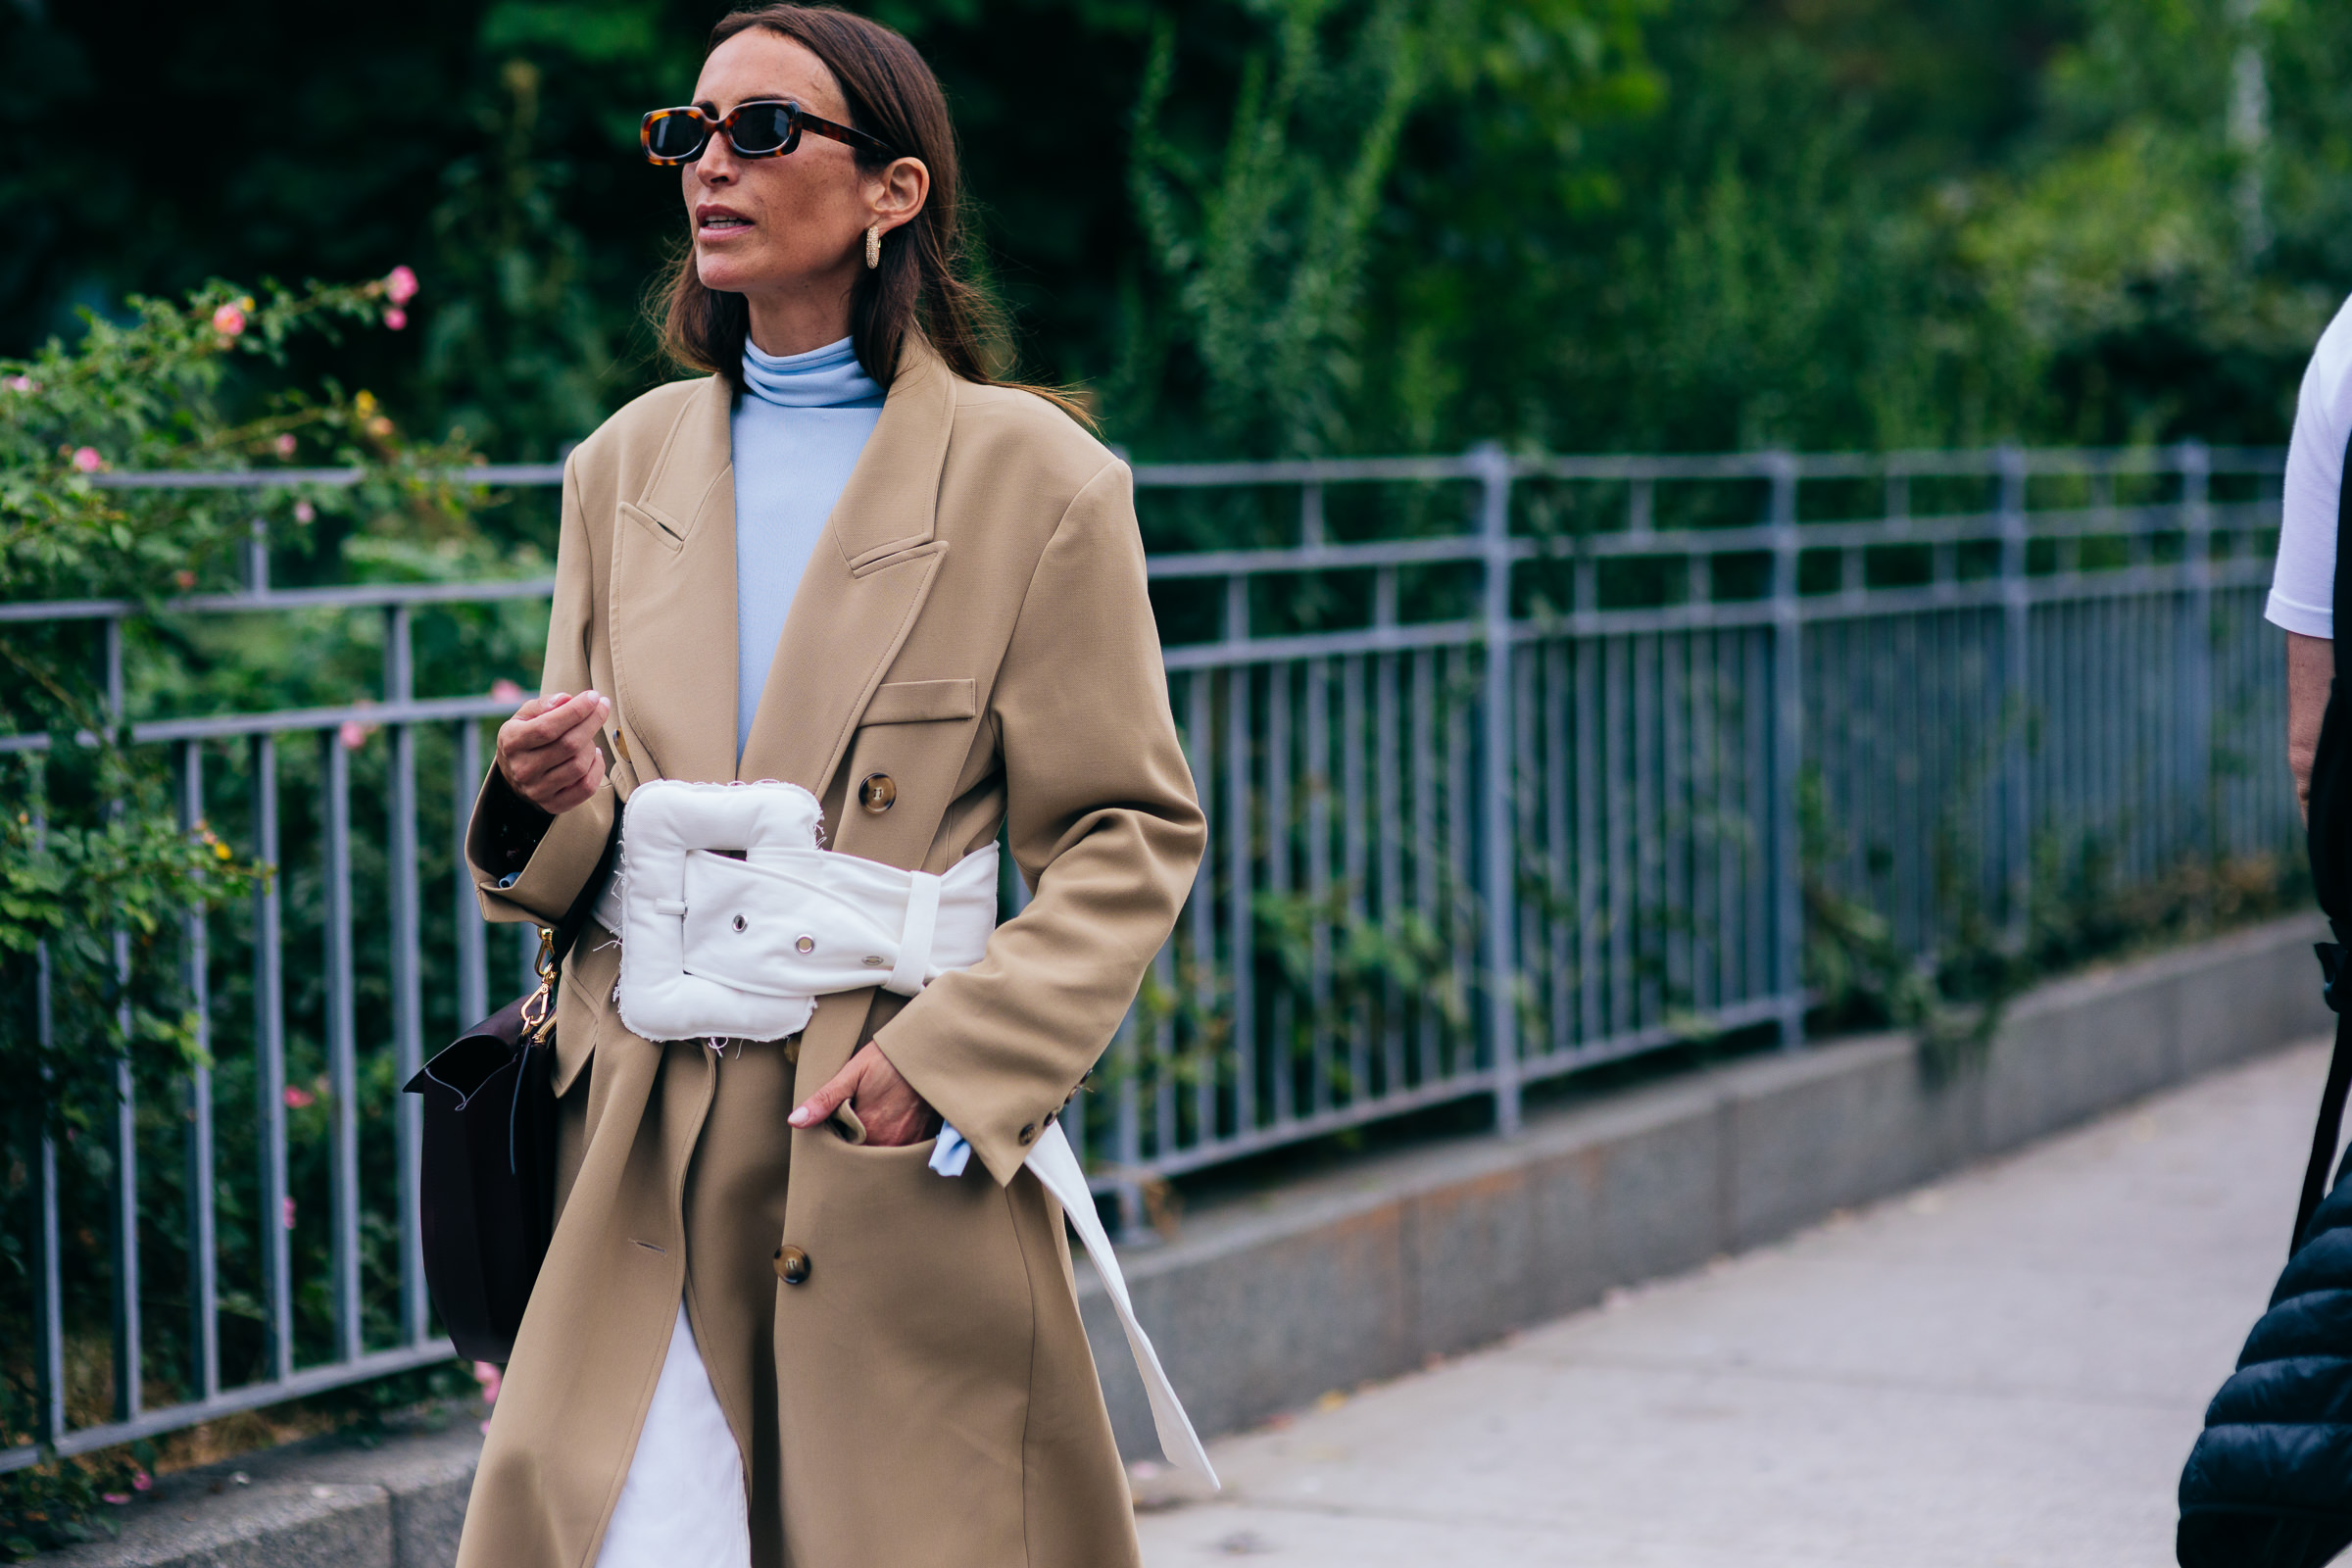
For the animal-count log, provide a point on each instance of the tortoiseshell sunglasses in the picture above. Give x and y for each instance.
(762, 129)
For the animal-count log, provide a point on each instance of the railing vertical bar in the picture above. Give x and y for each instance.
(2017, 824)
(1788, 758)
(1592, 798)
(1674, 824)
(1357, 860)
(1907, 810)
(1127, 1129)
(1166, 1101)
(1200, 695)
(1527, 860)
(1647, 802)
(1279, 1046)
(408, 977)
(1617, 768)
(1316, 780)
(1758, 799)
(1389, 890)
(2195, 642)
(204, 1284)
(1461, 896)
(1240, 874)
(1501, 788)
(269, 1061)
(1426, 862)
(341, 1047)
(1559, 931)
(131, 1361)
(50, 1315)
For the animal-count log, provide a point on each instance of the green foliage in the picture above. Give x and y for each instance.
(92, 856)
(65, 1503)
(97, 869)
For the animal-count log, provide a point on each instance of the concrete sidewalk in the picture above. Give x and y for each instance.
(2004, 1368)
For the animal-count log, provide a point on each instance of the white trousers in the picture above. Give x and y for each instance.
(682, 1505)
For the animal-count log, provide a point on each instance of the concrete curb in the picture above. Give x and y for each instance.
(397, 1504)
(1263, 1304)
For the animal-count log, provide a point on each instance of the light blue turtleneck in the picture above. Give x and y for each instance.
(798, 429)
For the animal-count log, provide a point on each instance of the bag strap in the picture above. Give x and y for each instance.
(2331, 955)
(565, 934)
(556, 941)
(2331, 1099)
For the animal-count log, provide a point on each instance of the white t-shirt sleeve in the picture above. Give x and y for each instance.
(2303, 584)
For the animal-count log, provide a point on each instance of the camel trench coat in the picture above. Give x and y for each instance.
(971, 648)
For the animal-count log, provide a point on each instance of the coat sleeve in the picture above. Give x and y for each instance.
(1103, 824)
(569, 846)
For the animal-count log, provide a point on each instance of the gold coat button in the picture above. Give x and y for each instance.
(878, 792)
(792, 1265)
(1029, 1132)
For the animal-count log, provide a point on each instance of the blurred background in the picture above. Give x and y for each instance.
(1280, 229)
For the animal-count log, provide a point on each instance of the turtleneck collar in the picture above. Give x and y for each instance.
(829, 378)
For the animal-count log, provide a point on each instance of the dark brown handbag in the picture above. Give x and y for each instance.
(487, 1181)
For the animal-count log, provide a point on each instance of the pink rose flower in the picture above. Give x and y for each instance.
(505, 691)
(487, 1374)
(142, 1482)
(401, 285)
(23, 383)
(354, 734)
(299, 1099)
(88, 460)
(396, 318)
(285, 444)
(304, 512)
(118, 1498)
(228, 320)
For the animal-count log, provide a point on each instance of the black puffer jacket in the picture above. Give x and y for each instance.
(2269, 1480)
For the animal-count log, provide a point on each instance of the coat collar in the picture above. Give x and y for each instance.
(673, 591)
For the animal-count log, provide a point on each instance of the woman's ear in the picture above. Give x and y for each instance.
(899, 193)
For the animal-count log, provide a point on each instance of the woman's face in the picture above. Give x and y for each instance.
(780, 225)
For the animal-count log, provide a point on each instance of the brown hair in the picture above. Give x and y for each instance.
(923, 283)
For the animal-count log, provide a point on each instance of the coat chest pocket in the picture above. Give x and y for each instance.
(920, 701)
(909, 749)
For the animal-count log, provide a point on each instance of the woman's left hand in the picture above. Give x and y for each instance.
(887, 1105)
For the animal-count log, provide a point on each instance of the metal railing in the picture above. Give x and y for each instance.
(1512, 766)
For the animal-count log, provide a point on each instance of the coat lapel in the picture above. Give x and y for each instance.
(872, 569)
(674, 601)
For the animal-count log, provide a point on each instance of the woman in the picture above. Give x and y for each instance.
(848, 559)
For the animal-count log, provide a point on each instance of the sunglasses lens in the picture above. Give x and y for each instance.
(676, 136)
(760, 128)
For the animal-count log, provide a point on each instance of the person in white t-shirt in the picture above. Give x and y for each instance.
(2303, 586)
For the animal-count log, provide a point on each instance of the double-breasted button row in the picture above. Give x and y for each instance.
(792, 1265)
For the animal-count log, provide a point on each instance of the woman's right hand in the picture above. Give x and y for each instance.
(548, 750)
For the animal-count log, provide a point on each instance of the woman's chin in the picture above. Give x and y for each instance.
(726, 275)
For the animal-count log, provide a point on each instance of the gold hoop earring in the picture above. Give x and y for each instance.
(873, 246)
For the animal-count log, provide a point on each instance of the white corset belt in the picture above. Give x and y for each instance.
(718, 946)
